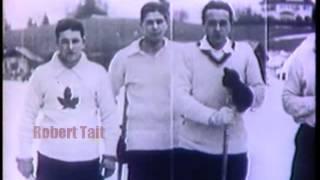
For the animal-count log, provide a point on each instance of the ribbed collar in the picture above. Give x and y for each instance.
(79, 68)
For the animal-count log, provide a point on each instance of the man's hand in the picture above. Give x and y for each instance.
(107, 166)
(224, 116)
(25, 166)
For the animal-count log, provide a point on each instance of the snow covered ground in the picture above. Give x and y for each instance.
(271, 134)
(271, 137)
(288, 37)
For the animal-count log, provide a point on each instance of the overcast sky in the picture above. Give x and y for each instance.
(17, 12)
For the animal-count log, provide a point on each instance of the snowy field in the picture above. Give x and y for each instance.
(271, 134)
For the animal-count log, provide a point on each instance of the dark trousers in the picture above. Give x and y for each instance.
(194, 165)
(52, 169)
(150, 165)
(304, 158)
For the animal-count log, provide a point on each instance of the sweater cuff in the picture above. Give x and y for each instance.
(25, 152)
(110, 147)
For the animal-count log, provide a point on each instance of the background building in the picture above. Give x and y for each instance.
(300, 10)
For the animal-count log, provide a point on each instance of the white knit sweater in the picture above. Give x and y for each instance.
(299, 90)
(199, 93)
(79, 98)
(148, 84)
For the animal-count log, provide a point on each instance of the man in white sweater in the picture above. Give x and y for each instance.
(75, 98)
(144, 69)
(298, 98)
(217, 81)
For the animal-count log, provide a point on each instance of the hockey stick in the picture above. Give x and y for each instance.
(120, 167)
(262, 58)
(224, 171)
(119, 175)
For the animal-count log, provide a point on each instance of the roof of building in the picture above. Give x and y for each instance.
(22, 51)
(287, 1)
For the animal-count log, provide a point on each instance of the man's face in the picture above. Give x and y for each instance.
(70, 44)
(154, 26)
(217, 25)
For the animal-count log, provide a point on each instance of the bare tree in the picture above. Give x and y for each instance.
(7, 26)
(88, 9)
(165, 3)
(31, 23)
(45, 20)
(180, 15)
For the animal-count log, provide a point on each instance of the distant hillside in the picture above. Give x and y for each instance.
(104, 36)
(288, 44)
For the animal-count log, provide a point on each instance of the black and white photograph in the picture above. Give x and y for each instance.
(159, 89)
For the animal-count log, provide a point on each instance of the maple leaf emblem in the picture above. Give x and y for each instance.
(68, 101)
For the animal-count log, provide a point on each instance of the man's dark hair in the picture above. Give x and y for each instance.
(154, 7)
(71, 24)
(217, 5)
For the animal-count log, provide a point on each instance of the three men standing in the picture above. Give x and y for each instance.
(178, 100)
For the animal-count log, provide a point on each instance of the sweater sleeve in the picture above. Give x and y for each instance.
(117, 74)
(110, 122)
(186, 104)
(294, 103)
(32, 104)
